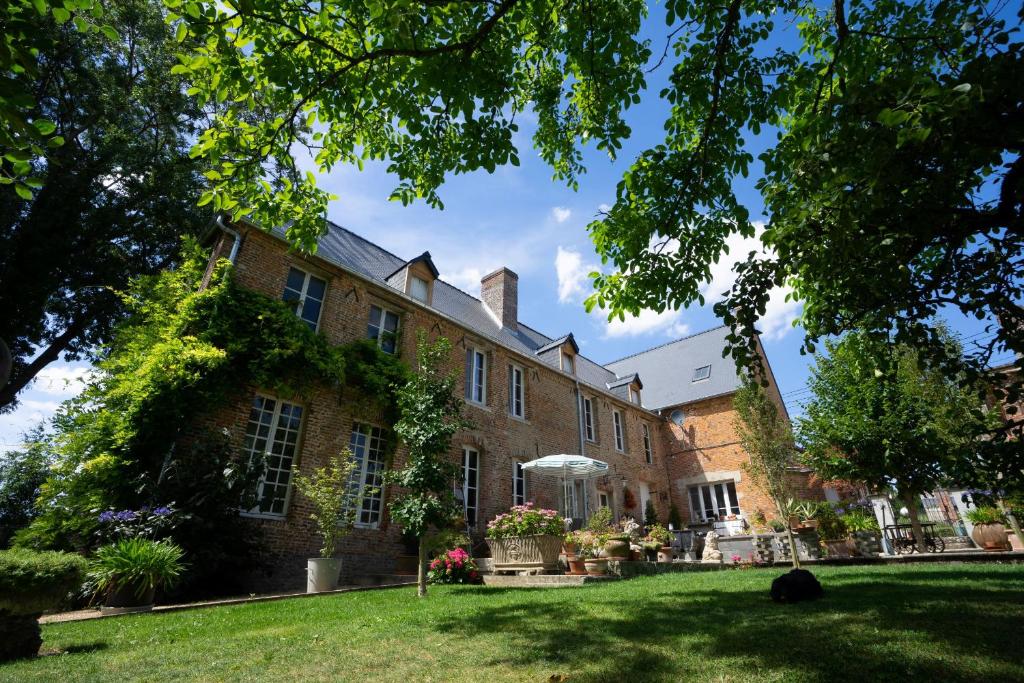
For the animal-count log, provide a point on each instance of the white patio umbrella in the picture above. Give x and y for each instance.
(567, 466)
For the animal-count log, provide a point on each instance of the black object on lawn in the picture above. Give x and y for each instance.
(796, 585)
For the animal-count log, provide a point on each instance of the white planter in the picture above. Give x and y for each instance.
(322, 574)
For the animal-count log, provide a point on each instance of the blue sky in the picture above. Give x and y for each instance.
(518, 217)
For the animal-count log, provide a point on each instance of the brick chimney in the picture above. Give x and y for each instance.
(500, 292)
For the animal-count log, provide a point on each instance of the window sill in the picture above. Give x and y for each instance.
(479, 406)
(278, 517)
(517, 418)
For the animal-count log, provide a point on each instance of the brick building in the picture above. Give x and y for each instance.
(662, 419)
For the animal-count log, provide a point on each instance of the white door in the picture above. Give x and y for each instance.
(645, 495)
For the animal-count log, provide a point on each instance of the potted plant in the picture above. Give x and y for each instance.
(32, 582)
(128, 572)
(864, 532)
(833, 532)
(576, 540)
(526, 539)
(658, 534)
(588, 546)
(989, 531)
(805, 512)
(334, 510)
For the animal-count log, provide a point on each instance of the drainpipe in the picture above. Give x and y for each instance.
(579, 416)
(234, 233)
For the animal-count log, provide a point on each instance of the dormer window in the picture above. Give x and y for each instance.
(702, 373)
(568, 363)
(634, 395)
(419, 289)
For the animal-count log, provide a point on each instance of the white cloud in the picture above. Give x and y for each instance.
(668, 322)
(561, 214)
(467, 279)
(573, 280)
(62, 380)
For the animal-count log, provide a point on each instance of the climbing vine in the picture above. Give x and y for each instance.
(184, 351)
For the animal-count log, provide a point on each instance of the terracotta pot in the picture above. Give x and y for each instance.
(634, 555)
(596, 566)
(810, 524)
(839, 548)
(991, 536)
(665, 554)
(569, 549)
(617, 548)
(577, 567)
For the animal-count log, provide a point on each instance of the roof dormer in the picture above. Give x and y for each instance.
(567, 350)
(416, 278)
(627, 387)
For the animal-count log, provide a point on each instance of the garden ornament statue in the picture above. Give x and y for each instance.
(711, 551)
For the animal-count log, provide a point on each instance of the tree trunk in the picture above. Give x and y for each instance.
(421, 571)
(910, 500)
(793, 550)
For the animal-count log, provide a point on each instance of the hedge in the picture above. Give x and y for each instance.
(32, 581)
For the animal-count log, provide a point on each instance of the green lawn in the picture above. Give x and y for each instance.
(940, 622)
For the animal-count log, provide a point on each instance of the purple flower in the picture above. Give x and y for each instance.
(162, 511)
(840, 511)
(106, 516)
(124, 516)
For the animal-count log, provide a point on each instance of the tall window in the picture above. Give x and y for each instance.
(518, 484)
(476, 376)
(634, 396)
(568, 363)
(588, 419)
(470, 483)
(367, 478)
(273, 434)
(307, 291)
(620, 437)
(515, 391)
(648, 451)
(383, 328)
(709, 502)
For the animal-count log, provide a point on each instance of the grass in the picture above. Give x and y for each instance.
(945, 622)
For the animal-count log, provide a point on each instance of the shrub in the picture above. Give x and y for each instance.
(525, 520)
(674, 519)
(777, 525)
(660, 535)
(831, 526)
(21, 475)
(858, 520)
(985, 515)
(454, 566)
(588, 543)
(334, 503)
(33, 581)
(601, 521)
(650, 514)
(138, 562)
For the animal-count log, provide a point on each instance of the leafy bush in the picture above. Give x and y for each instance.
(601, 521)
(334, 503)
(33, 581)
(650, 514)
(985, 515)
(21, 475)
(660, 535)
(831, 527)
(674, 518)
(777, 525)
(858, 520)
(525, 520)
(135, 562)
(454, 566)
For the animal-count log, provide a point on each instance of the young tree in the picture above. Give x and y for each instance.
(881, 414)
(431, 414)
(22, 472)
(767, 438)
(112, 200)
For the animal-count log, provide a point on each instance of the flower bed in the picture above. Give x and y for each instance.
(455, 566)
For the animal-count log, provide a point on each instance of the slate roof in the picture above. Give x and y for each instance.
(667, 370)
(661, 369)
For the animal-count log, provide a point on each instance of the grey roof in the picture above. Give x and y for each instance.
(667, 370)
(567, 339)
(663, 368)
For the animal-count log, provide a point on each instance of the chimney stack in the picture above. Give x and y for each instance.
(500, 292)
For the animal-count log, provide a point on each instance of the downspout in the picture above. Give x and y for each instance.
(234, 233)
(579, 415)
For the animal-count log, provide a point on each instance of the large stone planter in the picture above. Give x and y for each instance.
(866, 543)
(617, 547)
(533, 554)
(991, 536)
(839, 547)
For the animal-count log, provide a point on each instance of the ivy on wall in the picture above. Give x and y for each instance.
(184, 352)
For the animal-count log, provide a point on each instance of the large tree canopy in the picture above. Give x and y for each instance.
(114, 198)
(892, 189)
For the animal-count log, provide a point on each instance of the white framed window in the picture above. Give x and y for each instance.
(568, 363)
(575, 501)
(620, 435)
(272, 434)
(419, 289)
(476, 376)
(710, 502)
(306, 291)
(518, 484)
(515, 391)
(470, 483)
(604, 500)
(365, 484)
(648, 449)
(383, 328)
(634, 396)
(703, 372)
(588, 419)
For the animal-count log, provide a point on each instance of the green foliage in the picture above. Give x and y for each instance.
(601, 521)
(660, 535)
(858, 520)
(675, 520)
(109, 204)
(650, 514)
(431, 414)
(427, 88)
(880, 414)
(32, 581)
(985, 515)
(139, 563)
(21, 475)
(890, 174)
(767, 439)
(831, 526)
(334, 504)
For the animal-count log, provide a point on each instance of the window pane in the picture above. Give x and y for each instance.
(695, 507)
(278, 454)
(311, 312)
(418, 289)
(316, 288)
(390, 322)
(375, 317)
(734, 508)
(296, 278)
(702, 373)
